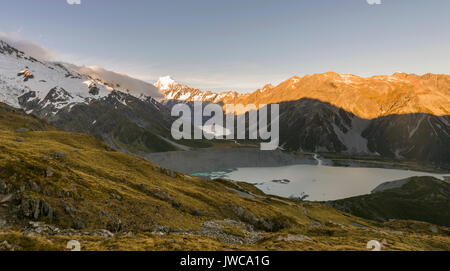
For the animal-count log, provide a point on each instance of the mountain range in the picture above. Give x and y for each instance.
(367, 98)
(59, 182)
(402, 116)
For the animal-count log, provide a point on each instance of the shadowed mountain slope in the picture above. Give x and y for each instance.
(417, 198)
(315, 126)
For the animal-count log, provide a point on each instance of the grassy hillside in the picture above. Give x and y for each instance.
(57, 186)
(421, 198)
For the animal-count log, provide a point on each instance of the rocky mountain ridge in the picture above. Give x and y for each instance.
(367, 98)
(402, 116)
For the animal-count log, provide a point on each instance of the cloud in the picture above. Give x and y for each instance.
(374, 2)
(118, 80)
(74, 2)
(29, 47)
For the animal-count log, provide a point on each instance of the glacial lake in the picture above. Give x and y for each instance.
(320, 183)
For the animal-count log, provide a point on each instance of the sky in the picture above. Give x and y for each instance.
(236, 45)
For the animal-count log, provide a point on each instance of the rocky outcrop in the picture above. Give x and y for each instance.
(26, 75)
(93, 89)
(390, 185)
(231, 232)
(36, 209)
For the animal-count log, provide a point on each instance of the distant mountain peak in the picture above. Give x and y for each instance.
(165, 82)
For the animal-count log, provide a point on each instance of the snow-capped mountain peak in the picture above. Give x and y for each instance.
(25, 80)
(34, 85)
(165, 82)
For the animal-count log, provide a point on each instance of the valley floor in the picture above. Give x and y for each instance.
(226, 157)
